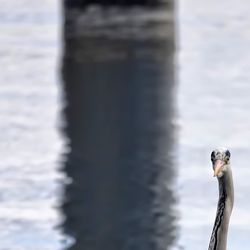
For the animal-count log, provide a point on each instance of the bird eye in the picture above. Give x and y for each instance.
(212, 156)
(228, 153)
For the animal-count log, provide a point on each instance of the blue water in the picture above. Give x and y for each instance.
(30, 144)
(213, 110)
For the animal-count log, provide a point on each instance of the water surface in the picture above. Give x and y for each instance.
(214, 110)
(29, 141)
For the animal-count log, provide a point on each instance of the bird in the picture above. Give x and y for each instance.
(220, 158)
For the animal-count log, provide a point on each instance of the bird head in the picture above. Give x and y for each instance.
(220, 158)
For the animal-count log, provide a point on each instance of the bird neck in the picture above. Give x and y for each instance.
(218, 239)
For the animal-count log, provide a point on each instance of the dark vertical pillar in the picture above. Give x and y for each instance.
(118, 78)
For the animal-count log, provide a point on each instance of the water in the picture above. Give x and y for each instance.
(212, 105)
(214, 110)
(30, 144)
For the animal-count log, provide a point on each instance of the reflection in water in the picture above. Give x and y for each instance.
(118, 83)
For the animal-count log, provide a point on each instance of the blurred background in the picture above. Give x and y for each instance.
(108, 117)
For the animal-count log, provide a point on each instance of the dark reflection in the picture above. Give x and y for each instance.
(84, 3)
(118, 78)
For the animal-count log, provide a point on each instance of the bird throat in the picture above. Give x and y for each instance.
(218, 239)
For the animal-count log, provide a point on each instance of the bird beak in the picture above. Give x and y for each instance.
(217, 166)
